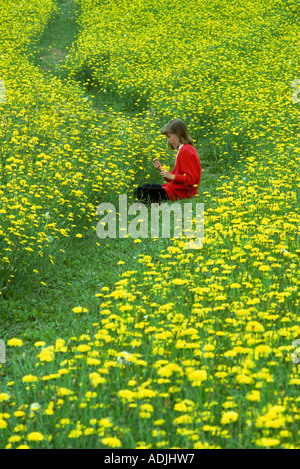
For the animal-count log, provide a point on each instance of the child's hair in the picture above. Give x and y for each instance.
(178, 127)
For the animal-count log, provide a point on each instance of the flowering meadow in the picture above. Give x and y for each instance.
(189, 348)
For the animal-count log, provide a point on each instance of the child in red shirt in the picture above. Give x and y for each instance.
(184, 180)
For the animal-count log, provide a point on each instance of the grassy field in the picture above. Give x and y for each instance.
(142, 343)
(48, 309)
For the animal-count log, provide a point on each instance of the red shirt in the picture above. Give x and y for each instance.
(187, 173)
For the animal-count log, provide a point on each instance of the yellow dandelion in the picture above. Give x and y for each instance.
(179, 281)
(105, 423)
(268, 442)
(79, 309)
(197, 377)
(262, 351)
(75, 433)
(30, 379)
(169, 369)
(4, 396)
(61, 392)
(183, 419)
(112, 442)
(96, 379)
(229, 417)
(14, 438)
(83, 348)
(254, 326)
(3, 423)
(14, 342)
(46, 354)
(253, 396)
(35, 436)
(40, 343)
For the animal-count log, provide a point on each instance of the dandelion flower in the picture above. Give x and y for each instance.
(112, 442)
(14, 342)
(3, 423)
(253, 396)
(229, 417)
(254, 326)
(29, 379)
(267, 442)
(79, 309)
(197, 377)
(35, 436)
(83, 348)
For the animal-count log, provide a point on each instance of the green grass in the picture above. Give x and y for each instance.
(207, 334)
(52, 48)
(40, 308)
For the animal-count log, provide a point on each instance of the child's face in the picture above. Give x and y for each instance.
(173, 140)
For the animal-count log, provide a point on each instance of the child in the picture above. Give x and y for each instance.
(183, 181)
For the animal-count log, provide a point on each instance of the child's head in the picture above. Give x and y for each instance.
(177, 127)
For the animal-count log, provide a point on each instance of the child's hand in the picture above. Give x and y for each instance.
(157, 164)
(165, 174)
